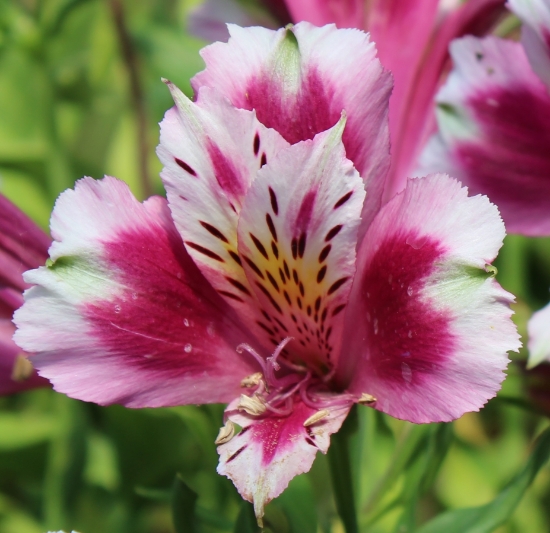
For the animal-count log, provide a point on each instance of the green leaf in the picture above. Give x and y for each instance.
(246, 521)
(487, 518)
(183, 507)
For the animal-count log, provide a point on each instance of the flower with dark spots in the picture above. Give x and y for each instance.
(281, 288)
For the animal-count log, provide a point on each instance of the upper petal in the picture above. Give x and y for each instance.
(297, 237)
(539, 337)
(494, 131)
(427, 328)
(211, 153)
(300, 79)
(122, 314)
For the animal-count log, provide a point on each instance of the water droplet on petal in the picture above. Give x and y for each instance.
(178, 275)
(406, 372)
(210, 330)
(410, 334)
(134, 296)
(375, 326)
(187, 348)
(409, 290)
(186, 322)
(117, 309)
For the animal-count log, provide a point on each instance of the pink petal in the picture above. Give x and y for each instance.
(494, 133)
(211, 153)
(122, 314)
(539, 337)
(535, 33)
(297, 234)
(427, 328)
(270, 451)
(23, 245)
(343, 13)
(300, 79)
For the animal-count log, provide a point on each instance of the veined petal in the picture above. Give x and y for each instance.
(539, 337)
(297, 236)
(122, 314)
(535, 33)
(300, 79)
(211, 153)
(427, 327)
(270, 451)
(494, 131)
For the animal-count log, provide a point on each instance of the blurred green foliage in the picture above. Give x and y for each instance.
(80, 94)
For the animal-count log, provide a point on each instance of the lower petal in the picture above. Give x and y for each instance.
(122, 314)
(428, 327)
(268, 452)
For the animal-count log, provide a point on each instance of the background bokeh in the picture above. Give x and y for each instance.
(81, 94)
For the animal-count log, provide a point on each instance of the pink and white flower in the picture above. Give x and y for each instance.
(22, 246)
(268, 279)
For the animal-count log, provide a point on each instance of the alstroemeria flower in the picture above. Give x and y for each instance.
(494, 131)
(22, 246)
(267, 279)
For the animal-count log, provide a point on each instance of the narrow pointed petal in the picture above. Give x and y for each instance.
(122, 314)
(535, 33)
(494, 133)
(268, 452)
(539, 337)
(297, 235)
(427, 326)
(211, 153)
(300, 79)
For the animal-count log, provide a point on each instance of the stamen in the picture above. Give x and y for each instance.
(252, 380)
(252, 352)
(226, 433)
(366, 398)
(252, 405)
(319, 415)
(22, 368)
(272, 364)
(289, 406)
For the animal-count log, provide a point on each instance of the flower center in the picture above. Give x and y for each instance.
(275, 395)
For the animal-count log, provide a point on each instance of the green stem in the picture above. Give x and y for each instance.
(340, 470)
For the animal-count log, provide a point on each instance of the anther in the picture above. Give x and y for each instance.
(252, 380)
(22, 368)
(226, 433)
(251, 405)
(319, 415)
(366, 398)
